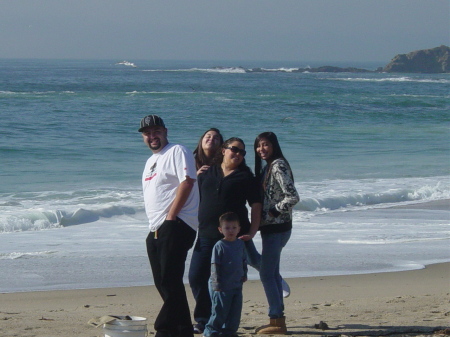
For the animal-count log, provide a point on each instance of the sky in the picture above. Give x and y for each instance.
(264, 30)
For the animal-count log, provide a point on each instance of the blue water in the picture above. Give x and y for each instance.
(71, 156)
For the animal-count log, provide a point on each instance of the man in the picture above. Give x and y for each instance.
(171, 203)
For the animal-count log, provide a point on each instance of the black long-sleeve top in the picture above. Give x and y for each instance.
(219, 194)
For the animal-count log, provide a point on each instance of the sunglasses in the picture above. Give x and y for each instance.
(235, 149)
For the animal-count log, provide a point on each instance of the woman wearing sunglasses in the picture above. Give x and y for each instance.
(280, 196)
(227, 186)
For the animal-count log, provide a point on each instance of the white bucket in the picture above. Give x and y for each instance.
(126, 326)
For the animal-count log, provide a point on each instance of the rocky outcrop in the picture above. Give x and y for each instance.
(435, 60)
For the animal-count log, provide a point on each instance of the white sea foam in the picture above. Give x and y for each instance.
(34, 211)
(349, 242)
(283, 70)
(387, 241)
(37, 93)
(418, 96)
(332, 195)
(230, 70)
(135, 92)
(48, 210)
(392, 79)
(25, 255)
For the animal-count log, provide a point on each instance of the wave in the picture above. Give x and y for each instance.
(165, 92)
(26, 255)
(372, 76)
(34, 93)
(35, 211)
(34, 220)
(81, 215)
(393, 79)
(390, 240)
(363, 194)
(232, 70)
(419, 96)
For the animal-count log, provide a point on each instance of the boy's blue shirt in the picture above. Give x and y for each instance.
(229, 265)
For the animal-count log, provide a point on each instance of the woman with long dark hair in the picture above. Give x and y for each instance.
(277, 184)
(207, 148)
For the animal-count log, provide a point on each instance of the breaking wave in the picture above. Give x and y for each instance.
(49, 210)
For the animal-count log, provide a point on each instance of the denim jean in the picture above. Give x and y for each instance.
(199, 273)
(272, 245)
(226, 312)
(252, 255)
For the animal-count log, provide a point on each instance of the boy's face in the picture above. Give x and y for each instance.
(230, 230)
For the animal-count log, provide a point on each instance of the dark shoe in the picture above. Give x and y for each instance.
(163, 333)
(214, 334)
(199, 328)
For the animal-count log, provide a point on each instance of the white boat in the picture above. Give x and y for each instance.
(128, 64)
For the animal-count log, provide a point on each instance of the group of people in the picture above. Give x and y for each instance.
(202, 197)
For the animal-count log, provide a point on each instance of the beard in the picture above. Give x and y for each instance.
(155, 145)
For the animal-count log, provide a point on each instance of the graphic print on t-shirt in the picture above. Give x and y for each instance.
(151, 174)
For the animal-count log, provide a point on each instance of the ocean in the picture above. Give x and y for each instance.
(71, 159)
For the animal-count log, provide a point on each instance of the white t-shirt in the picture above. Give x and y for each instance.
(163, 173)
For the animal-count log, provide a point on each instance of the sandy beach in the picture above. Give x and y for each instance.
(410, 302)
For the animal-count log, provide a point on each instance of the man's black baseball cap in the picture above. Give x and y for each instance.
(151, 120)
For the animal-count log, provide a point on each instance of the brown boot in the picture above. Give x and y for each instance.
(277, 326)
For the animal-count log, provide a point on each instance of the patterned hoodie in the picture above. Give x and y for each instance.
(280, 196)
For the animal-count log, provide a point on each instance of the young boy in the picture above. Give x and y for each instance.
(228, 273)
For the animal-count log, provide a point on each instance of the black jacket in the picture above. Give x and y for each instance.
(219, 194)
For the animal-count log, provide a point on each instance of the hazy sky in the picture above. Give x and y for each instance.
(280, 30)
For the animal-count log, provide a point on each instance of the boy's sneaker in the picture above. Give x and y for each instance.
(286, 288)
(199, 328)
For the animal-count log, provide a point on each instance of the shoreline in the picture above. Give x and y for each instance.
(413, 302)
(436, 205)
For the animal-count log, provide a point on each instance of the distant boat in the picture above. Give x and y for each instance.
(128, 64)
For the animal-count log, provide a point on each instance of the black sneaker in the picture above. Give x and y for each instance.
(199, 328)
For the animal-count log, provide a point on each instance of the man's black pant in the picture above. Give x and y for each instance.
(167, 250)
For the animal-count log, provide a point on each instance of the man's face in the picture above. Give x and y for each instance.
(155, 137)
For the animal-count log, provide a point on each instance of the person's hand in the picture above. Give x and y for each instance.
(273, 212)
(202, 169)
(246, 237)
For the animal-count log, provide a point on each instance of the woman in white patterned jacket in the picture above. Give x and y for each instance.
(280, 196)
